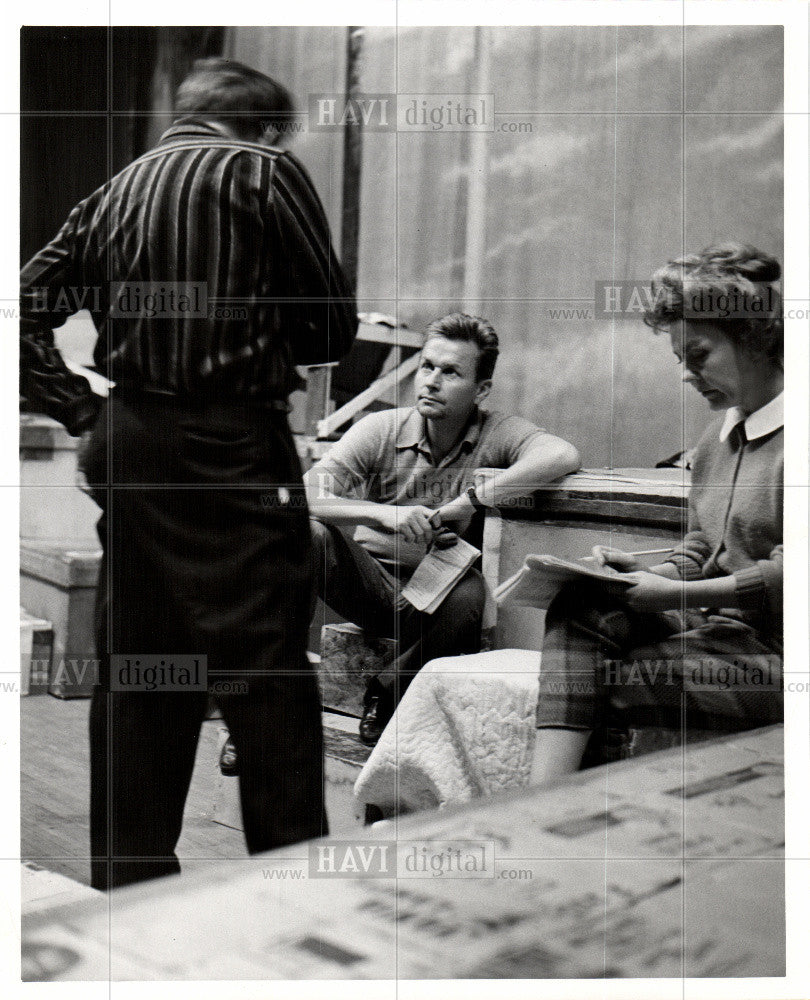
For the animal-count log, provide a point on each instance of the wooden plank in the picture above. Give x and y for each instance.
(360, 402)
(345, 746)
(397, 336)
(319, 378)
(634, 514)
(54, 784)
(634, 497)
(60, 564)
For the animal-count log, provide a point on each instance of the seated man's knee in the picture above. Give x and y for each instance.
(466, 599)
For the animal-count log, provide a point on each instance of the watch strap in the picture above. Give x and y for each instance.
(474, 500)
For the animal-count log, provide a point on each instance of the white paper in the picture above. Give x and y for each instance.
(437, 574)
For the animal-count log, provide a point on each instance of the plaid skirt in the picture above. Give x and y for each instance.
(606, 665)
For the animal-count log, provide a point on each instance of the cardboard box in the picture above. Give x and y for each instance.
(36, 651)
(58, 584)
(349, 659)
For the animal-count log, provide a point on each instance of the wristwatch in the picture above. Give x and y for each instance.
(473, 498)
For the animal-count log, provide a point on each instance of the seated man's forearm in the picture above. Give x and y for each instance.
(542, 465)
(344, 511)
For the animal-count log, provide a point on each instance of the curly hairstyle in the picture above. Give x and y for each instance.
(228, 91)
(731, 285)
(473, 329)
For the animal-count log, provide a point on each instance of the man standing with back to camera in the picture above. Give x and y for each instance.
(217, 565)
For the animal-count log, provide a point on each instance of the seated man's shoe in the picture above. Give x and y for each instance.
(229, 759)
(379, 707)
(373, 814)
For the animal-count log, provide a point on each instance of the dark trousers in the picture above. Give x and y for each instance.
(606, 665)
(206, 545)
(355, 585)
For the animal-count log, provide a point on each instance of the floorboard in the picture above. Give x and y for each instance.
(54, 769)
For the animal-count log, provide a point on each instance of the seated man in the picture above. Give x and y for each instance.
(399, 478)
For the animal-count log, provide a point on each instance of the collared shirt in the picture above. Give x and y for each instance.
(240, 221)
(386, 458)
(765, 420)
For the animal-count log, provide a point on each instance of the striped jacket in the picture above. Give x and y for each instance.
(208, 268)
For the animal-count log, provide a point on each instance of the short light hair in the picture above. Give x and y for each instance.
(243, 98)
(691, 286)
(474, 330)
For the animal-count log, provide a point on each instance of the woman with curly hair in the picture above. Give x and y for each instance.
(695, 642)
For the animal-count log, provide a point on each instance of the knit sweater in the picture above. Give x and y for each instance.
(735, 521)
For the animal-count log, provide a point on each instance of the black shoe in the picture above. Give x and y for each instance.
(229, 759)
(373, 814)
(376, 716)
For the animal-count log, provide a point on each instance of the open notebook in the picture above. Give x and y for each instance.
(541, 576)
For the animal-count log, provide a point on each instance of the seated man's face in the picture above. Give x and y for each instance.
(446, 384)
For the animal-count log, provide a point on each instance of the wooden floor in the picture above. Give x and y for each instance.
(55, 792)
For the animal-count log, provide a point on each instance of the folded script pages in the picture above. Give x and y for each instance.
(438, 573)
(541, 576)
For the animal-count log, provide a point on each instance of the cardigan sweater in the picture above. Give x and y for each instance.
(735, 514)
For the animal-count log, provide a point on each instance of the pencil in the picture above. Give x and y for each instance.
(642, 552)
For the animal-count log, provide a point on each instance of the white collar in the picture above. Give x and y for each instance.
(765, 420)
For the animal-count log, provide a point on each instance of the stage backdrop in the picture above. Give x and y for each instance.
(642, 141)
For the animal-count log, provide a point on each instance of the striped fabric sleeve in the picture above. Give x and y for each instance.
(689, 557)
(46, 383)
(321, 316)
(759, 586)
(695, 548)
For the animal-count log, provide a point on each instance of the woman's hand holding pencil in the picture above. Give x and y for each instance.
(624, 562)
